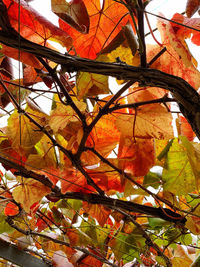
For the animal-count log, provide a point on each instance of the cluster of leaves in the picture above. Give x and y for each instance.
(76, 181)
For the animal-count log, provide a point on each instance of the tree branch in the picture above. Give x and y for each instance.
(32, 233)
(17, 256)
(163, 213)
(187, 97)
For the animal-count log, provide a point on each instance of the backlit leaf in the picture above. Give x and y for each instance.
(181, 258)
(35, 28)
(177, 60)
(103, 20)
(73, 181)
(33, 25)
(138, 155)
(91, 84)
(29, 192)
(60, 259)
(125, 246)
(4, 226)
(63, 115)
(103, 138)
(186, 129)
(179, 175)
(89, 260)
(99, 212)
(45, 157)
(149, 121)
(106, 178)
(11, 209)
(23, 133)
(183, 32)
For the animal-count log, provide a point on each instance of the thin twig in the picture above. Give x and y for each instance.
(32, 233)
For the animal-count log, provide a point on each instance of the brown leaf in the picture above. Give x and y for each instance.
(191, 7)
(74, 13)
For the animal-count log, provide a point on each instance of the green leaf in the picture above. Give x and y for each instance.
(127, 247)
(4, 226)
(152, 179)
(179, 175)
(157, 223)
(164, 152)
(161, 261)
(171, 234)
(186, 239)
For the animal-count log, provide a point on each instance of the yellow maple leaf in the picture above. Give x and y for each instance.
(149, 121)
(29, 192)
(63, 115)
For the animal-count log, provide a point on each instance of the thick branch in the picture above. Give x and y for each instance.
(185, 94)
(163, 213)
(17, 256)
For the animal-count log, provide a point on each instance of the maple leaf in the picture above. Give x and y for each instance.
(183, 32)
(147, 122)
(63, 115)
(180, 173)
(11, 209)
(98, 212)
(23, 133)
(34, 27)
(138, 155)
(177, 60)
(29, 192)
(103, 21)
(91, 84)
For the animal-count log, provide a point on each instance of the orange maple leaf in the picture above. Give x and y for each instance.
(11, 209)
(138, 156)
(97, 211)
(34, 27)
(103, 21)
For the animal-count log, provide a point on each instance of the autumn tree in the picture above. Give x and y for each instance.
(77, 183)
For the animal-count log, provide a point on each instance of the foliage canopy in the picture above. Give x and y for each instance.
(78, 182)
